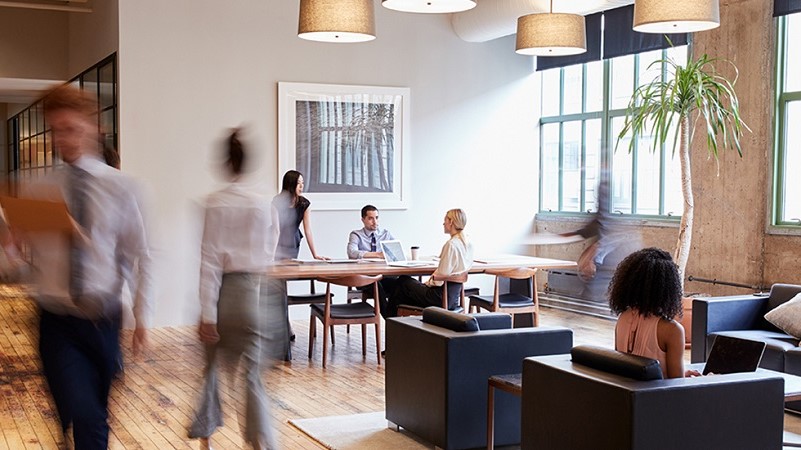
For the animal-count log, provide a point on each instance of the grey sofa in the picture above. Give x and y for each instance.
(436, 377)
(742, 316)
(568, 405)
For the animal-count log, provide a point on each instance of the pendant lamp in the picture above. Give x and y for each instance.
(429, 6)
(337, 20)
(675, 16)
(551, 34)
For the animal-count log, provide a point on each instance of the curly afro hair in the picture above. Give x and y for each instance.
(647, 280)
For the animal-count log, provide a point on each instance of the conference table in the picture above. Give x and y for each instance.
(308, 270)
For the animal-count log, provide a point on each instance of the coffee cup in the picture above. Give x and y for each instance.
(415, 251)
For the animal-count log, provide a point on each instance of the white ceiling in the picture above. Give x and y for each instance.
(25, 91)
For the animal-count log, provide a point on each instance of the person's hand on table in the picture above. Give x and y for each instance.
(321, 258)
(691, 373)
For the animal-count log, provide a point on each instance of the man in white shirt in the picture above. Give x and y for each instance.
(79, 276)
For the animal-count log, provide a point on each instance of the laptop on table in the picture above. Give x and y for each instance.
(733, 355)
(394, 256)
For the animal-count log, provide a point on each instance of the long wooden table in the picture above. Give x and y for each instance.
(321, 269)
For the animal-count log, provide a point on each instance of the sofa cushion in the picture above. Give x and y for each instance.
(787, 316)
(493, 321)
(618, 363)
(448, 319)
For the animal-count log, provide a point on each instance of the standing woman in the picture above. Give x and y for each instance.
(456, 257)
(293, 209)
(240, 320)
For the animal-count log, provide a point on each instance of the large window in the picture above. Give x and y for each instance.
(30, 146)
(583, 110)
(787, 202)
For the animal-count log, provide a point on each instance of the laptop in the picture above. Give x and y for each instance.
(394, 256)
(733, 355)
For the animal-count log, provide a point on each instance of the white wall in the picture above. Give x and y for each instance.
(93, 36)
(190, 68)
(32, 44)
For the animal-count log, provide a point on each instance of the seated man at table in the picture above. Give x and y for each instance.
(366, 243)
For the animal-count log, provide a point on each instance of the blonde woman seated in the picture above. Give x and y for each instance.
(456, 256)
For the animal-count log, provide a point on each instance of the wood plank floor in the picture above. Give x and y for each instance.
(151, 405)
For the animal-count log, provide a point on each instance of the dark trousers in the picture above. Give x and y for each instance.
(79, 359)
(386, 288)
(409, 291)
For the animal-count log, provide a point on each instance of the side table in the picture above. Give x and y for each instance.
(511, 383)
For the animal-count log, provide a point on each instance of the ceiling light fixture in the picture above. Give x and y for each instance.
(429, 6)
(337, 20)
(551, 34)
(676, 16)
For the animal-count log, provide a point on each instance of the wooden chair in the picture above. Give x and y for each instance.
(511, 303)
(303, 299)
(358, 313)
(412, 310)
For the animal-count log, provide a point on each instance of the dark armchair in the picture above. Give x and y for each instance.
(436, 377)
(569, 405)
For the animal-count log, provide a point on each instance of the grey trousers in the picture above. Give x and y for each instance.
(251, 322)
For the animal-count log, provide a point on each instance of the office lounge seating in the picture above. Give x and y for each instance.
(437, 367)
(360, 313)
(609, 400)
(743, 316)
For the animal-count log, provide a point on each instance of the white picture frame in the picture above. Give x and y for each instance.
(351, 143)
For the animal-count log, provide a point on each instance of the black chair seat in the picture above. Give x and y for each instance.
(471, 291)
(419, 309)
(345, 311)
(305, 299)
(504, 301)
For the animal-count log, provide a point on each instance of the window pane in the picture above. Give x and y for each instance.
(791, 209)
(648, 166)
(592, 145)
(550, 167)
(550, 92)
(90, 82)
(573, 89)
(649, 69)
(571, 166)
(620, 189)
(678, 55)
(595, 86)
(107, 86)
(622, 74)
(792, 72)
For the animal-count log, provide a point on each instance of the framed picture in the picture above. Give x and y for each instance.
(349, 142)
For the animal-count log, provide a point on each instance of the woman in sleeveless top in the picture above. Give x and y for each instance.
(292, 209)
(646, 292)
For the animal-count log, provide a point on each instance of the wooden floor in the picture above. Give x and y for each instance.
(152, 404)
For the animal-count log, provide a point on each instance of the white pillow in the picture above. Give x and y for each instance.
(787, 316)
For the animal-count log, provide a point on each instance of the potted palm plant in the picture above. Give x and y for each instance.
(691, 98)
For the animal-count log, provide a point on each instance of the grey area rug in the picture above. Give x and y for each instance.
(357, 431)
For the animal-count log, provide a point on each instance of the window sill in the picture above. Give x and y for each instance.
(784, 230)
(642, 221)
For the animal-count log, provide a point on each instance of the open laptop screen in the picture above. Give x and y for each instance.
(393, 251)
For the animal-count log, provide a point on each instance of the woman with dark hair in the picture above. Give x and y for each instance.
(241, 313)
(293, 209)
(646, 293)
(456, 257)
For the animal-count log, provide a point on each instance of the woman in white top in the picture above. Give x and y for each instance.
(456, 257)
(240, 319)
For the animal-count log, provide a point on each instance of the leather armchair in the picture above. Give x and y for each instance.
(567, 405)
(436, 378)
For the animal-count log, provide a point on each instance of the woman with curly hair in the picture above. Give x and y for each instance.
(646, 293)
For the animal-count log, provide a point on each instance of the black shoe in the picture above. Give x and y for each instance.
(292, 338)
(383, 353)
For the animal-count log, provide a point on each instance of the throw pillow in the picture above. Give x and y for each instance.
(787, 316)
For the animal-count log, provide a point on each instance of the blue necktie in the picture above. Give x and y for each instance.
(79, 180)
(372, 242)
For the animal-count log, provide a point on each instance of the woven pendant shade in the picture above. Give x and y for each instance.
(429, 6)
(675, 16)
(337, 20)
(551, 34)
